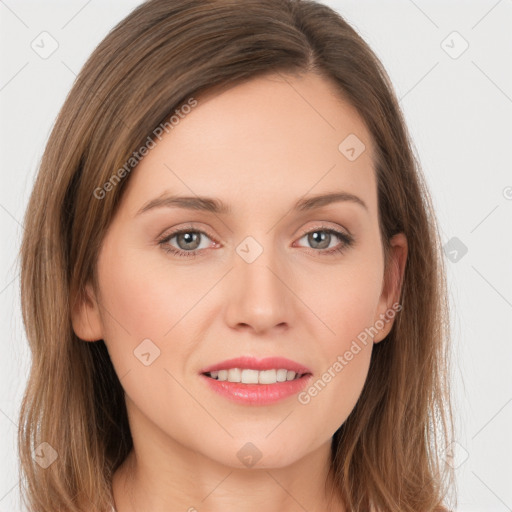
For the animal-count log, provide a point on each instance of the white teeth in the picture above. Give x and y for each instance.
(290, 375)
(234, 375)
(247, 376)
(250, 376)
(281, 375)
(267, 377)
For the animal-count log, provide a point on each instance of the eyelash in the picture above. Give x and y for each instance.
(347, 240)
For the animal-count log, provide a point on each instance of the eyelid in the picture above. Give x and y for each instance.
(346, 239)
(188, 227)
(324, 225)
(344, 236)
(304, 231)
(167, 236)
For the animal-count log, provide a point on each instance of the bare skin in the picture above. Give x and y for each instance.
(259, 147)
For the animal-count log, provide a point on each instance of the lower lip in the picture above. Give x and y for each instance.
(257, 394)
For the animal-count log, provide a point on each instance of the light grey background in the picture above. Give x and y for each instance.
(459, 112)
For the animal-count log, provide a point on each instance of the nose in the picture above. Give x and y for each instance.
(259, 294)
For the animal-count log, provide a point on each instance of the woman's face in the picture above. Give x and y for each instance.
(266, 279)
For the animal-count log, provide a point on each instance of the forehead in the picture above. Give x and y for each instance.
(272, 138)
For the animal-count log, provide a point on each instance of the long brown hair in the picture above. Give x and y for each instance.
(388, 453)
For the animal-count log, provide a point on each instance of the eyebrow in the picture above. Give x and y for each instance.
(212, 205)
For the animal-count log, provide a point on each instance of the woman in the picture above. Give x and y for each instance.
(295, 354)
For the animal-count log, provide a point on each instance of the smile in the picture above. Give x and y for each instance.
(249, 376)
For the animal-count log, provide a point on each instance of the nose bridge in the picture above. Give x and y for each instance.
(259, 296)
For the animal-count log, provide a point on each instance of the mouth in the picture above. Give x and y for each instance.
(250, 370)
(251, 381)
(251, 376)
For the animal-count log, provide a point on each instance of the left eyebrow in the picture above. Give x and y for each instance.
(309, 203)
(210, 204)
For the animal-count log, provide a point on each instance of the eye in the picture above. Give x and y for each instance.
(321, 239)
(188, 241)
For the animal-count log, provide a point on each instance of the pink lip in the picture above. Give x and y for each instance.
(251, 363)
(257, 394)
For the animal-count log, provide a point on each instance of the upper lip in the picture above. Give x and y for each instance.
(251, 363)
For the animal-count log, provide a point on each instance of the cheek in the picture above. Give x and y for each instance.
(346, 302)
(144, 297)
(142, 315)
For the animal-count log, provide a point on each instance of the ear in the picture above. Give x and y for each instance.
(392, 285)
(85, 316)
